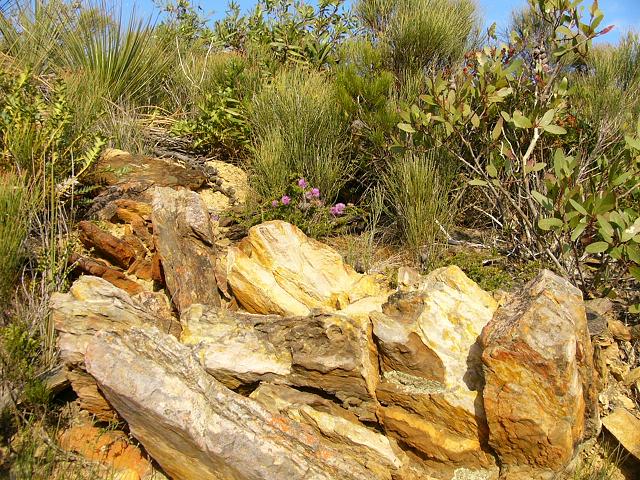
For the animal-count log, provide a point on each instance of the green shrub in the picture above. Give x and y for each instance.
(299, 129)
(16, 207)
(422, 33)
(418, 189)
(607, 92)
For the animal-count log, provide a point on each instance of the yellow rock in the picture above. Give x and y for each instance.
(277, 269)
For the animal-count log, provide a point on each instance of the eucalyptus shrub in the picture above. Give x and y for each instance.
(507, 116)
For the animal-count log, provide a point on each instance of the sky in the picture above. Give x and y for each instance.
(624, 14)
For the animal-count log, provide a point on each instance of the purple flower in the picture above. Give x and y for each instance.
(315, 193)
(285, 200)
(302, 183)
(275, 203)
(337, 209)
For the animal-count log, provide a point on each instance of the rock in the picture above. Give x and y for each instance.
(96, 268)
(432, 369)
(93, 304)
(116, 167)
(599, 312)
(539, 396)
(117, 251)
(194, 427)
(159, 305)
(278, 270)
(619, 330)
(632, 377)
(626, 429)
(110, 448)
(89, 396)
(328, 353)
(342, 429)
(185, 242)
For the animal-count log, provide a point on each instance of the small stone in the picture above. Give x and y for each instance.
(619, 330)
(626, 429)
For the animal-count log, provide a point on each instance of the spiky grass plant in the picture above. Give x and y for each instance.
(299, 130)
(418, 192)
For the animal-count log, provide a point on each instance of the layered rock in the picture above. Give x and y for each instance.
(329, 353)
(432, 371)
(278, 270)
(539, 396)
(379, 453)
(185, 243)
(94, 305)
(110, 448)
(197, 428)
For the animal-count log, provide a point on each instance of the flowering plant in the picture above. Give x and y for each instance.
(304, 206)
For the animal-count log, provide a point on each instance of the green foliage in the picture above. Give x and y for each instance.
(305, 207)
(421, 33)
(221, 125)
(298, 128)
(287, 31)
(418, 192)
(115, 58)
(431, 32)
(503, 116)
(16, 205)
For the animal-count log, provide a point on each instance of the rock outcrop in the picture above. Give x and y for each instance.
(539, 396)
(306, 369)
(330, 353)
(278, 270)
(197, 428)
(431, 388)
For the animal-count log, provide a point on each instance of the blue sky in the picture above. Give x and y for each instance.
(624, 14)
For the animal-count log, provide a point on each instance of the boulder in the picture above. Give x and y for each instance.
(194, 427)
(185, 243)
(278, 270)
(378, 453)
(539, 394)
(92, 305)
(329, 353)
(430, 358)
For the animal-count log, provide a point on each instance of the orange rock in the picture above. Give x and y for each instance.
(111, 248)
(111, 448)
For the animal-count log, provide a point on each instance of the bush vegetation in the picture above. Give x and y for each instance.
(402, 111)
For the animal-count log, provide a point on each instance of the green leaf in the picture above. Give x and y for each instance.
(634, 309)
(520, 121)
(635, 271)
(631, 232)
(497, 130)
(542, 200)
(578, 231)
(566, 31)
(476, 182)
(475, 121)
(605, 225)
(554, 129)
(633, 252)
(534, 168)
(578, 207)
(492, 171)
(597, 247)
(406, 127)
(551, 223)
(547, 118)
